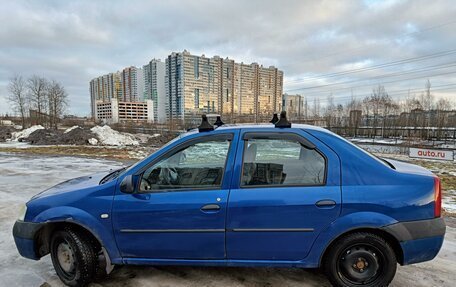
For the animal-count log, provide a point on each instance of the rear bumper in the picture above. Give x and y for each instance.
(420, 240)
(24, 237)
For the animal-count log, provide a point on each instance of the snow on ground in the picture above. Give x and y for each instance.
(108, 136)
(449, 201)
(70, 129)
(22, 176)
(15, 144)
(25, 133)
(376, 140)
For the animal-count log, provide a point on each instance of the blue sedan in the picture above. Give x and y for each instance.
(280, 194)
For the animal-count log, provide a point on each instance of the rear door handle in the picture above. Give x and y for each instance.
(210, 208)
(326, 203)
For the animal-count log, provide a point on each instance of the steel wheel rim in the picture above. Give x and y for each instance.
(360, 264)
(65, 259)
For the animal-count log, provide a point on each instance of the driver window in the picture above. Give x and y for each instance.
(200, 165)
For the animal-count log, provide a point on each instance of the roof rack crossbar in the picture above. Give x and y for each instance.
(274, 119)
(205, 126)
(283, 122)
(219, 122)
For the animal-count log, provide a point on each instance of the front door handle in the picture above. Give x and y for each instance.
(210, 208)
(326, 203)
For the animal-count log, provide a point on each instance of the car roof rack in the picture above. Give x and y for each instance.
(205, 126)
(274, 119)
(219, 122)
(283, 122)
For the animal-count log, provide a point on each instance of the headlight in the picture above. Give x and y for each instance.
(22, 212)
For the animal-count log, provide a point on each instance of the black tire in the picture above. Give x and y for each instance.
(73, 257)
(360, 259)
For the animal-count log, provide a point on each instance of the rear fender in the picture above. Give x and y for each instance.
(347, 223)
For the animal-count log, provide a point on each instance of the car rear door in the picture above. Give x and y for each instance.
(179, 209)
(285, 191)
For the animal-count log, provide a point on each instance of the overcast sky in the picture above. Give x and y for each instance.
(73, 42)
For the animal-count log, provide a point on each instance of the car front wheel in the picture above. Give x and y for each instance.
(360, 259)
(73, 257)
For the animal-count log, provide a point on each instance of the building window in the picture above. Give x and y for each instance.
(197, 95)
(196, 67)
(227, 95)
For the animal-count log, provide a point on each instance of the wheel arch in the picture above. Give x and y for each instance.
(42, 237)
(395, 244)
(99, 230)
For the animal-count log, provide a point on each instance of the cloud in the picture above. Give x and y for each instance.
(74, 42)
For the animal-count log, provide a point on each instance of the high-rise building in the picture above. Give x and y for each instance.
(120, 96)
(133, 84)
(105, 88)
(295, 106)
(197, 84)
(154, 88)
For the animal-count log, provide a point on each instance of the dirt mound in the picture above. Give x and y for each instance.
(75, 136)
(43, 137)
(6, 132)
(160, 139)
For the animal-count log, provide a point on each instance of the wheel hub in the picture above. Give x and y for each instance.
(65, 256)
(359, 264)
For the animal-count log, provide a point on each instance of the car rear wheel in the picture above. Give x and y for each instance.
(360, 259)
(73, 257)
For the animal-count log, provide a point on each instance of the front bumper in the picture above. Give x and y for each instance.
(420, 240)
(24, 237)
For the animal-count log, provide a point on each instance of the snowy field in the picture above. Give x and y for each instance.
(22, 176)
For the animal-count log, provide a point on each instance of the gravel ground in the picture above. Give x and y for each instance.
(21, 176)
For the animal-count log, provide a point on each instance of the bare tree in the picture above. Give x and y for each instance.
(18, 97)
(329, 110)
(57, 101)
(427, 98)
(37, 93)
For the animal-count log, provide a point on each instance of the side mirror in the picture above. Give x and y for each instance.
(127, 186)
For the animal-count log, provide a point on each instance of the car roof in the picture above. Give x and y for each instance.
(230, 127)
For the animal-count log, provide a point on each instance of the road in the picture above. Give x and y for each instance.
(21, 176)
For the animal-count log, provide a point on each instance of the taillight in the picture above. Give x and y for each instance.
(437, 197)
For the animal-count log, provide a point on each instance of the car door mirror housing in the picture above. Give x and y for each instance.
(127, 185)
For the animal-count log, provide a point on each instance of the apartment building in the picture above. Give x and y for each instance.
(199, 84)
(133, 84)
(121, 97)
(105, 88)
(154, 88)
(295, 106)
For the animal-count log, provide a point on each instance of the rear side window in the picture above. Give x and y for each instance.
(269, 162)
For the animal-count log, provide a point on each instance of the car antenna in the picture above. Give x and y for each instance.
(219, 122)
(205, 126)
(283, 122)
(274, 119)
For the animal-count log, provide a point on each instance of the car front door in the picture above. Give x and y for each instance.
(178, 209)
(285, 191)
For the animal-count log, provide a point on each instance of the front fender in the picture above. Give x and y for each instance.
(100, 228)
(344, 224)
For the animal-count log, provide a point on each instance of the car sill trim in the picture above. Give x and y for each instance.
(271, 230)
(170, 230)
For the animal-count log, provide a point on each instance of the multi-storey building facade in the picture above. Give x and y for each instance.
(197, 84)
(105, 88)
(133, 84)
(295, 106)
(154, 88)
(120, 96)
